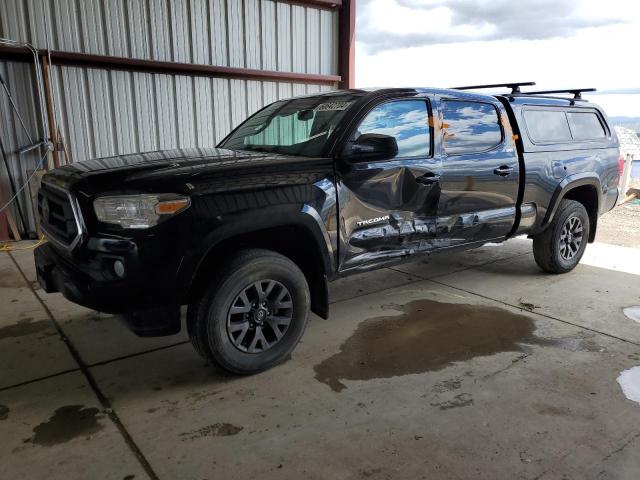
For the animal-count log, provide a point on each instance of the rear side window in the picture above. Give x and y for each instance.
(546, 126)
(470, 127)
(585, 126)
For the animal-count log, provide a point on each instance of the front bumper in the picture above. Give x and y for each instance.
(144, 299)
(59, 274)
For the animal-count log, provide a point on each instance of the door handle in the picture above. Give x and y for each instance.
(428, 179)
(503, 170)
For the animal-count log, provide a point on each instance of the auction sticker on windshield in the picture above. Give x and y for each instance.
(332, 106)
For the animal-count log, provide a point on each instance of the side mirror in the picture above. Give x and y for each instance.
(373, 147)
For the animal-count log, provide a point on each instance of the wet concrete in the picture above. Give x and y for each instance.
(30, 346)
(4, 412)
(23, 327)
(590, 296)
(542, 402)
(427, 336)
(101, 455)
(431, 335)
(88, 329)
(67, 423)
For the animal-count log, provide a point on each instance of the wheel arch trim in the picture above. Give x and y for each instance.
(256, 220)
(567, 185)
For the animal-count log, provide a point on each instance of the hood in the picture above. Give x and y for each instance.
(214, 157)
(154, 170)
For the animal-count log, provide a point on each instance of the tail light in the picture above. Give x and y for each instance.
(620, 165)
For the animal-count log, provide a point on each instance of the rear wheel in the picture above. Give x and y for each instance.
(253, 314)
(560, 247)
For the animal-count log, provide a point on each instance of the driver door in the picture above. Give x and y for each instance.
(388, 206)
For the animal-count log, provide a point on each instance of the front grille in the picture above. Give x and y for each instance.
(57, 216)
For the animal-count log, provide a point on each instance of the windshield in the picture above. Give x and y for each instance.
(300, 126)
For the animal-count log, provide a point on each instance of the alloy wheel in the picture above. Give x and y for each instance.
(259, 316)
(570, 238)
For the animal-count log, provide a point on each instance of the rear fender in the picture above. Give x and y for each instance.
(568, 184)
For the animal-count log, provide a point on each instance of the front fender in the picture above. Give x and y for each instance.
(254, 220)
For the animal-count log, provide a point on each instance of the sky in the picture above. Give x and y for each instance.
(556, 43)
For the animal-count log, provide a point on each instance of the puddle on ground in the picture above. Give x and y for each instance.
(4, 412)
(66, 424)
(215, 430)
(26, 326)
(10, 278)
(429, 336)
(632, 313)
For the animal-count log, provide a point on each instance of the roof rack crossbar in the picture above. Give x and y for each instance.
(514, 86)
(576, 92)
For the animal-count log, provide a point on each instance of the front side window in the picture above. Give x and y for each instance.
(470, 127)
(585, 126)
(405, 120)
(547, 126)
(300, 126)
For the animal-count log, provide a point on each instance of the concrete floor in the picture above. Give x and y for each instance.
(470, 365)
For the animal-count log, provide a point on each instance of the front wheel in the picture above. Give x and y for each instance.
(560, 247)
(253, 314)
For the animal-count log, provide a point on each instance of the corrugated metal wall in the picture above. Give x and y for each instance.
(111, 112)
(103, 112)
(20, 79)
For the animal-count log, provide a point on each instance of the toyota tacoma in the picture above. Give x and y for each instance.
(247, 235)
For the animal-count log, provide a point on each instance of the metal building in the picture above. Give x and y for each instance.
(142, 75)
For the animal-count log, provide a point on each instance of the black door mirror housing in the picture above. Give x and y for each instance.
(372, 147)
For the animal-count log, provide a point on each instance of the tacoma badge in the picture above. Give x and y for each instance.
(371, 221)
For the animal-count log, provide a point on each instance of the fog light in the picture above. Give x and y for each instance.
(118, 268)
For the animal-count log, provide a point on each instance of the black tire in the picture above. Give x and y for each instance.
(211, 319)
(548, 250)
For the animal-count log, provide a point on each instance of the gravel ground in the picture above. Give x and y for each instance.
(621, 226)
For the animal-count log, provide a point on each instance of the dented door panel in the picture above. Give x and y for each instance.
(388, 208)
(385, 213)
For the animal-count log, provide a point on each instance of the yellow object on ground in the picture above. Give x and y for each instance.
(8, 247)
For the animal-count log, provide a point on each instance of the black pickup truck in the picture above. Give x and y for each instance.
(309, 189)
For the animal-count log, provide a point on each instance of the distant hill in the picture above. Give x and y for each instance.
(632, 123)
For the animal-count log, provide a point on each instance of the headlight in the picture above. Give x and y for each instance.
(138, 211)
